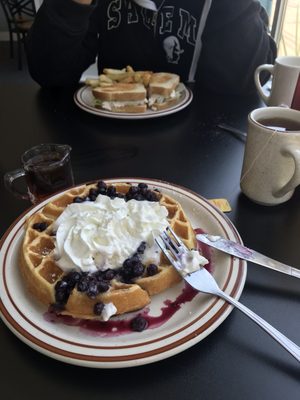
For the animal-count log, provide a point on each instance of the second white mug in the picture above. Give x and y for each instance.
(285, 89)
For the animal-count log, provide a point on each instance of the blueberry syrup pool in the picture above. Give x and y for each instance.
(141, 320)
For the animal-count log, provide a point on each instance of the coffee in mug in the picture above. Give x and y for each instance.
(271, 165)
(279, 124)
(285, 87)
(46, 168)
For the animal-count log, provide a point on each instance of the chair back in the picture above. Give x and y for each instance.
(17, 10)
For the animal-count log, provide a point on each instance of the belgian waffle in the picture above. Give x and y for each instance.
(43, 275)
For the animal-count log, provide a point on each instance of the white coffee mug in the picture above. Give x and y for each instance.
(285, 89)
(271, 166)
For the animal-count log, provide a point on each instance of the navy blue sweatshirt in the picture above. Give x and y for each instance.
(215, 43)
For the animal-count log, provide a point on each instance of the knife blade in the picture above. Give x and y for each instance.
(243, 252)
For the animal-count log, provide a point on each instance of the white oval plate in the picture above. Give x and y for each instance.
(84, 99)
(193, 321)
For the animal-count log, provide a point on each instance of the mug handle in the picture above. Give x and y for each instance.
(264, 67)
(9, 179)
(295, 179)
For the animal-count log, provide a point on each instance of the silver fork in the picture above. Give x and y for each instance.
(173, 248)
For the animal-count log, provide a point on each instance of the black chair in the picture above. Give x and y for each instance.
(19, 15)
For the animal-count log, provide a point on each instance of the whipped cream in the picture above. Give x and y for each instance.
(102, 234)
(192, 261)
(108, 311)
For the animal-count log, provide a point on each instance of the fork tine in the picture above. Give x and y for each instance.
(172, 247)
(165, 248)
(179, 241)
(170, 243)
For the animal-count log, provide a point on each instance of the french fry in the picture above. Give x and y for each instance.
(146, 78)
(124, 75)
(105, 84)
(113, 71)
(129, 69)
(127, 79)
(104, 78)
(138, 77)
(120, 77)
(92, 82)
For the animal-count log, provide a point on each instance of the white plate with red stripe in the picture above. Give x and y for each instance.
(84, 99)
(177, 319)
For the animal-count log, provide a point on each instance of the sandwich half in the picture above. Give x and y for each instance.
(163, 90)
(121, 97)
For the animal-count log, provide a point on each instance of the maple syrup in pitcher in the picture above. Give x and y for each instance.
(49, 172)
(46, 168)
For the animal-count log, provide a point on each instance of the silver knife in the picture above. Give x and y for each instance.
(240, 251)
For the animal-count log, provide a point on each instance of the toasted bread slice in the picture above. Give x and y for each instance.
(120, 92)
(162, 92)
(163, 83)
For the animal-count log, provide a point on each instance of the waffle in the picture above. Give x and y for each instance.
(43, 276)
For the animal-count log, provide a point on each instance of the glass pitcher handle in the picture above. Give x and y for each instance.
(9, 179)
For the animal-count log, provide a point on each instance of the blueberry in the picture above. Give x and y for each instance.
(78, 199)
(144, 192)
(61, 285)
(109, 274)
(139, 324)
(103, 286)
(61, 296)
(102, 190)
(134, 258)
(93, 289)
(98, 308)
(142, 185)
(72, 278)
(92, 197)
(151, 196)
(93, 192)
(101, 185)
(40, 226)
(133, 190)
(62, 291)
(111, 191)
(98, 275)
(119, 272)
(137, 270)
(152, 269)
(83, 284)
(141, 248)
(125, 274)
(138, 197)
(127, 263)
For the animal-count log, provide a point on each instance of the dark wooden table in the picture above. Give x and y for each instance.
(238, 360)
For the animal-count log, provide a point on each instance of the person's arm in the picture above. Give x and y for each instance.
(235, 42)
(62, 42)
